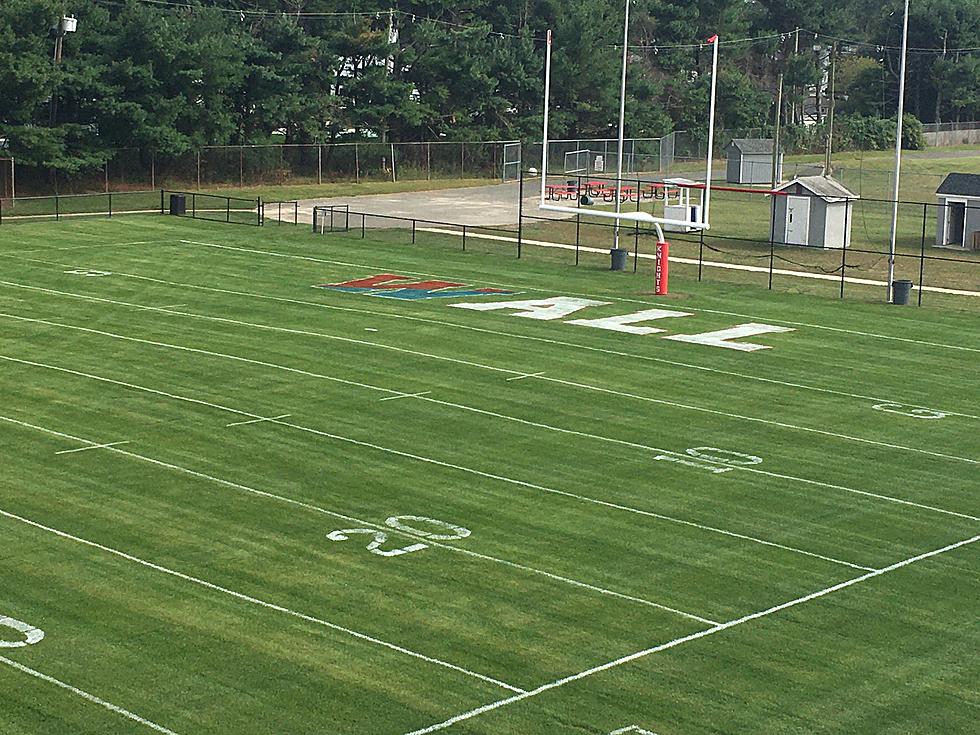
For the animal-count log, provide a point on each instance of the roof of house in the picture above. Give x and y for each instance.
(824, 187)
(967, 185)
(753, 146)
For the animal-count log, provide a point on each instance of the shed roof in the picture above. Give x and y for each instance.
(753, 146)
(826, 188)
(967, 185)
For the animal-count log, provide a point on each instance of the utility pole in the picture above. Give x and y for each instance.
(66, 24)
(775, 142)
(828, 166)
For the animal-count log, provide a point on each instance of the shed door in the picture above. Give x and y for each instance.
(797, 221)
(955, 223)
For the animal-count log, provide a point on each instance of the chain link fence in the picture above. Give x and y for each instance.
(270, 165)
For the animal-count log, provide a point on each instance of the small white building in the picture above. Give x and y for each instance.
(750, 161)
(815, 211)
(958, 223)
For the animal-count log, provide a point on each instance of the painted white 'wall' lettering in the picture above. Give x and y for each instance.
(722, 337)
(556, 307)
(31, 634)
(623, 323)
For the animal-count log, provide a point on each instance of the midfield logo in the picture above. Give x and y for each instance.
(393, 286)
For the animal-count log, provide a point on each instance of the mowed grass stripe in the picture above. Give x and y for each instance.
(508, 371)
(762, 575)
(703, 540)
(283, 553)
(825, 484)
(196, 660)
(427, 399)
(854, 332)
(816, 355)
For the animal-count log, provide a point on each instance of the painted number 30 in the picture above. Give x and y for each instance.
(29, 634)
(431, 529)
(916, 413)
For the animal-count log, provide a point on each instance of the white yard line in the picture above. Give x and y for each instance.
(92, 446)
(86, 696)
(550, 290)
(239, 595)
(520, 483)
(705, 263)
(406, 395)
(83, 247)
(688, 638)
(482, 366)
(544, 340)
(361, 522)
(258, 421)
(522, 377)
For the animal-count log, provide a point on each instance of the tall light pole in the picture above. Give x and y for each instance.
(898, 155)
(622, 126)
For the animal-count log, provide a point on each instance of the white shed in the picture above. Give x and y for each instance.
(958, 223)
(750, 161)
(815, 211)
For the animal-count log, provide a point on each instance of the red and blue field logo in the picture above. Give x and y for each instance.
(393, 286)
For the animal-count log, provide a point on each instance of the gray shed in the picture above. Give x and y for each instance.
(750, 161)
(814, 211)
(958, 223)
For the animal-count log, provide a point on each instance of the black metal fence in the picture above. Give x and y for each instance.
(211, 207)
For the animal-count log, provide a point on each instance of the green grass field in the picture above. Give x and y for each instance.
(236, 503)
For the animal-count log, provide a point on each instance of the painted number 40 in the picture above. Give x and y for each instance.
(432, 529)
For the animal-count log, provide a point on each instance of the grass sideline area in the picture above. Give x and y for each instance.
(219, 480)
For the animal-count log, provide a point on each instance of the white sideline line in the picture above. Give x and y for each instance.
(544, 340)
(686, 639)
(708, 263)
(14, 253)
(406, 395)
(526, 375)
(307, 373)
(258, 421)
(604, 296)
(443, 358)
(520, 483)
(86, 696)
(387, 529)
(93, 446)
(239, 595)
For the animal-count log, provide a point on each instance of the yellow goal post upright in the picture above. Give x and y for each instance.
(701, 223)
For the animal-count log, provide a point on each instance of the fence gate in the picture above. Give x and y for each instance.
(512, 161)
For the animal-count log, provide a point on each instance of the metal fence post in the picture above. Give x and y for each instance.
(57, 209)
(241, 166)
(922, 252)
(413, 232)
(362, 226)
(700, 254)
(462, 155)
(520, 211)
(227, 209)
(843, 253)
(161, 201)
(198, 168)
(110, 205)
(319, 164)
(464, 238)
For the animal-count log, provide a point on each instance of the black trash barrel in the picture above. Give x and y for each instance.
(178, 204)
(901, 290)
(619, 256)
